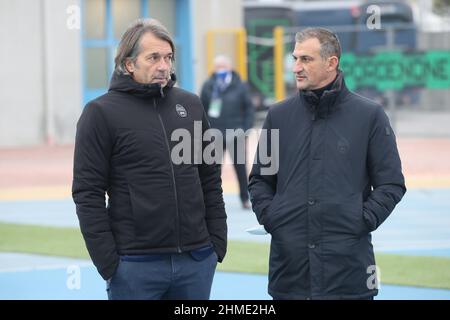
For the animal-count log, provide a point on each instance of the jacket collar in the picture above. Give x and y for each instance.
(328, 102)
(125, 83)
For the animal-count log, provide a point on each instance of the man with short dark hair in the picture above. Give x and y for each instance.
(164, 227)
(339, 178)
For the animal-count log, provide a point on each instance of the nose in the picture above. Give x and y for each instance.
(163, 64)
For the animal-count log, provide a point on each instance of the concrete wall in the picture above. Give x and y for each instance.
(21, 90)
(40, 87)
(212, 14)
(64, 92)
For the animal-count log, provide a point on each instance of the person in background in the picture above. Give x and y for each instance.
(227, 102)
(339, 178)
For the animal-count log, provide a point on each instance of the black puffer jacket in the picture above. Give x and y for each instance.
(123, 146)
(339, 178)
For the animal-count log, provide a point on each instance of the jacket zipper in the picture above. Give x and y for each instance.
(173, 177)
(313, 118)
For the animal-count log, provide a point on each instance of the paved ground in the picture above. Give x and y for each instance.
(420, 123)
(35, 188)
(72, 280)
(419, 224)
(46, 172)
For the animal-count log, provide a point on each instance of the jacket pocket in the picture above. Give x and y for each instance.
(344, 217)
(267, 213)
(192, 209)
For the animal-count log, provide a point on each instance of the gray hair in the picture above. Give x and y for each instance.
(329, 42)
(129, 46)
(222, 59)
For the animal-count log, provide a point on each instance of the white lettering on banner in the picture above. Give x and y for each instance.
(212, 153)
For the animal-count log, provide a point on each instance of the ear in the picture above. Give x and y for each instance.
(333, 62)
(129, 65)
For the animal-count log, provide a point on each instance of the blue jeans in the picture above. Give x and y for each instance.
(177, 276)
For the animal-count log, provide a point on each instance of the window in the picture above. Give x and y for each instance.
(104, 22)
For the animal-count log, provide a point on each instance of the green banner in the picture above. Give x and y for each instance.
(396, 70)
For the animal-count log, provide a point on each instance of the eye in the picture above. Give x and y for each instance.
(306, 59)
(153, 58)
(168, 58)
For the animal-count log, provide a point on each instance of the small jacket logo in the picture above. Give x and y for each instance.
(181, 110)
(343, 146)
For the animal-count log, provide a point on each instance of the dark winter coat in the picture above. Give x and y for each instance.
(339, 178)
(237, 108)
(123, 147)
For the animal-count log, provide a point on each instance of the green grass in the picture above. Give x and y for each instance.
(423, 271)
(242, 256)
(248, 257)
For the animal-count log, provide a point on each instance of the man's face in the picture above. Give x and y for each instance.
(310, 69)
(154, 61)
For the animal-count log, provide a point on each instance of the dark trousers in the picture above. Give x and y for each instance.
(240, 169)
(166, 277)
